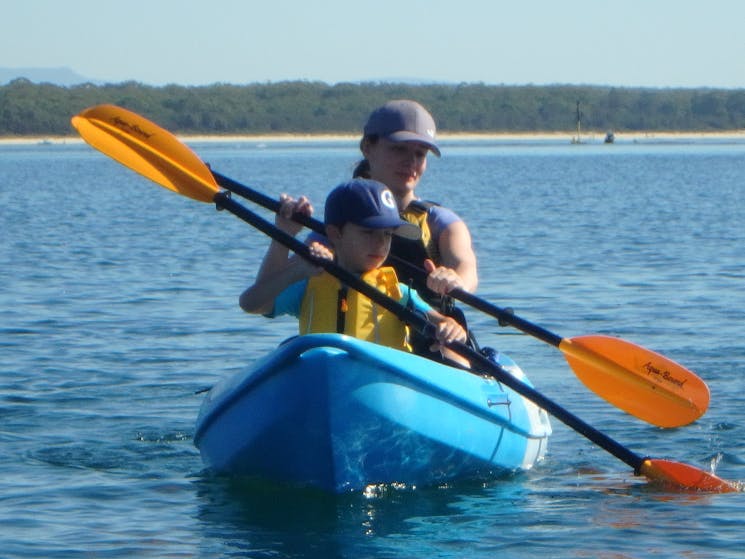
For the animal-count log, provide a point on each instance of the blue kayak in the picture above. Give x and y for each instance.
(340, 414)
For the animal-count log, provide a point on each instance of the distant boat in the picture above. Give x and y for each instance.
(610, 137)
(578, 138)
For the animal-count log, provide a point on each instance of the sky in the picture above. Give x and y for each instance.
(627, 43)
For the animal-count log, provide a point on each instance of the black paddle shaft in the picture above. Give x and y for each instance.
(421, 324)
(505, 316)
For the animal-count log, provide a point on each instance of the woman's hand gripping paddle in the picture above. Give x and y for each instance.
(197, 184)
(639, 381)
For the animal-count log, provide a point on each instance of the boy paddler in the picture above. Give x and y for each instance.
(361, 218)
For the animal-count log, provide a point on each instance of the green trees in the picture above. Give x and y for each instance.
(306, 107)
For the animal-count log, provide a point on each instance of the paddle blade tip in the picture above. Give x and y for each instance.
(685, 477)
(637, 380)
(147, 149)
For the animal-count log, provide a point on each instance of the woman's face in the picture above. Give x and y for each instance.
(398, 165)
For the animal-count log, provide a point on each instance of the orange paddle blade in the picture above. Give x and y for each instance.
(685, 476)
(147, 149)
(637, 380)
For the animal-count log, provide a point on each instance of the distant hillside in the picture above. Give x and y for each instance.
(57, 76)
(28, 108)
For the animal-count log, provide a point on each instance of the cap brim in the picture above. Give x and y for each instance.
(408, 231)
(405, 136)
(401, 227)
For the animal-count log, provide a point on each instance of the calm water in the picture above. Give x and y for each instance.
(119, 303)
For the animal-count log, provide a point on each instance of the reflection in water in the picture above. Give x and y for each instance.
(256, 515)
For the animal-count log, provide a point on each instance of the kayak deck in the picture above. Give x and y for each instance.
(333, 412)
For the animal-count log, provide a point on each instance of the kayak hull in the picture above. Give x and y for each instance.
(339, 414)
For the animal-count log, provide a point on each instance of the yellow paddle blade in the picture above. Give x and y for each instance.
(637, 380)
(685, 476)
(147, 149)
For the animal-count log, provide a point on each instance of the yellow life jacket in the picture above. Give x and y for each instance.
(328, 306)
(416, 251)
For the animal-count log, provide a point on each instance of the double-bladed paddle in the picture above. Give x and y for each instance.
(202, 187)
(639, 381)
(633, 378)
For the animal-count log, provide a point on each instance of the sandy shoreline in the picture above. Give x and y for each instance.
(590, 137)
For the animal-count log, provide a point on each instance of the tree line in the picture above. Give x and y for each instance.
(307, 107)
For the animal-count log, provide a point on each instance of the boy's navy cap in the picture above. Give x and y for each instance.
(369, 204)
(403, 121)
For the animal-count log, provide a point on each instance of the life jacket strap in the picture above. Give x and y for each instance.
(341, 309)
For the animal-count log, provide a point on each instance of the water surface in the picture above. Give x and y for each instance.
(119, 304)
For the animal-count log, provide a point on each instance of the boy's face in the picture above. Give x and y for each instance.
(359, 249)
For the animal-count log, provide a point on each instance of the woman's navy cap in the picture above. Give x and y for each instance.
(369, 204)
(403, 121)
